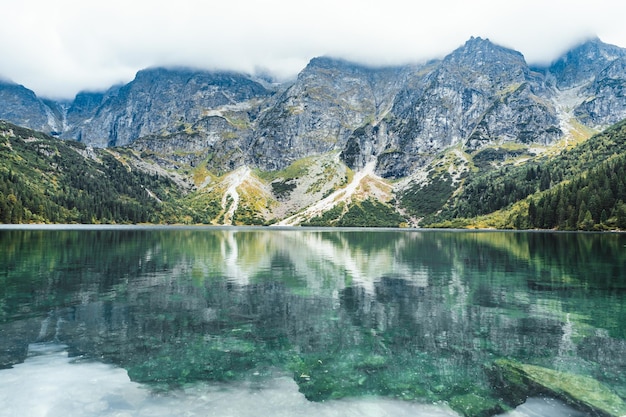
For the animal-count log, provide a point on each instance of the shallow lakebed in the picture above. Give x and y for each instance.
(133, 321)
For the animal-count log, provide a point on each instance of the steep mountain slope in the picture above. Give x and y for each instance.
(605, 101)
(21, 106)
(581, 188)
(413, 144)
(162, 101)
(581, 64)
(329, 100)
(46, 180)
(478, 95)
(43, 179)
(473, 80)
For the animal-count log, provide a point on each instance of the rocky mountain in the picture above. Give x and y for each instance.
(605, 96)
(317, 114)
(341, 132)
(158, 101)
(583, 63)
(479, 94)
(20, 105)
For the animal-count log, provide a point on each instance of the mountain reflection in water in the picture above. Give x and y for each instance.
(309, 316)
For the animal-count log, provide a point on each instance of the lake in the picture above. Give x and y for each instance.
(161, 321)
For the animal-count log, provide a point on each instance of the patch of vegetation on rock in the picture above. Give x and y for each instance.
(422, 200)
(371, 213)
(518, 381)
(282, 188)
(474, 405)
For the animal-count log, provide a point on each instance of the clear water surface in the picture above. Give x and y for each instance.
(157, 321)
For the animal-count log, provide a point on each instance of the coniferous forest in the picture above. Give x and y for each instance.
(51, 181)
(46, 180)
(582, 188)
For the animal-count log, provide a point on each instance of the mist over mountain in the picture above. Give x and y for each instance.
(477, 94)
(390, 123)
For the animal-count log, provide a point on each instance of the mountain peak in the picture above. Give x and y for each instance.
(581, 63)
(156, 73)
(594, 48)
(327, 63)
(484, 64)
(477, 49)
(475, 41)
(477, 44)
(21, 105)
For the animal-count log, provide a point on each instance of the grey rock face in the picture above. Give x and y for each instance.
(212, 139)
(458, 93)
(581, 64)
(479, 94)
(21, 106)
(516, 116)
(330, 99)
(598, 71)
(400, 117)
(606, 96)
(82, 109)
(161, 101)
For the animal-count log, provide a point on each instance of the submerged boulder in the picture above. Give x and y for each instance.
(517, 381)
(474, 405)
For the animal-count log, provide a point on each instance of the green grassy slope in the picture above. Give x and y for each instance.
(580, 188)
(46, 180)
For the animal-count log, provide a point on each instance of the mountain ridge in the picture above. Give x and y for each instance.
(417, 127)
(478, 59)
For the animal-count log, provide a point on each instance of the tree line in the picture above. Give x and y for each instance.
(593, 201)
(46, 180)
(581, 188)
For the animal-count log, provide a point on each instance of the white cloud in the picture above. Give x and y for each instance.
(58, 48)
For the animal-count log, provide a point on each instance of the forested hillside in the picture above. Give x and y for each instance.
(43, 179)
(594, 200)
(580, 188)
(477, 138)
(46, 180)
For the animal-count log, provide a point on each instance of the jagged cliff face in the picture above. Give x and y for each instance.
(21, 106)
(454, 97)
(605, 101)
(317, 114)
(595, 72)
(397, 119)
(163, 101)
(582, 64)
(479, 94)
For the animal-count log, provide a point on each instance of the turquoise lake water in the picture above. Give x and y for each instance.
(134, 321)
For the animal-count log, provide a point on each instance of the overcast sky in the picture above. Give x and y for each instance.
(59, 47)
